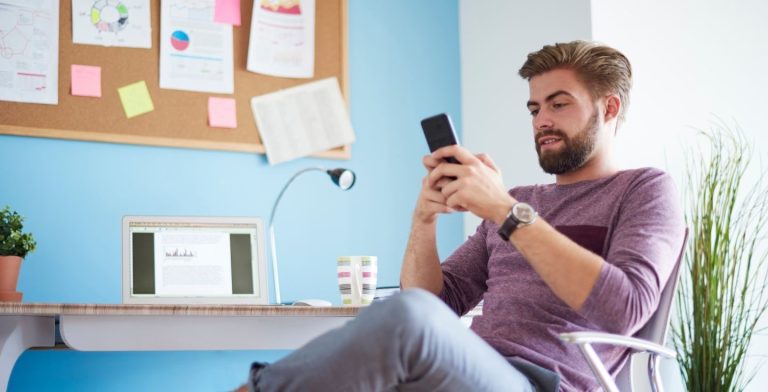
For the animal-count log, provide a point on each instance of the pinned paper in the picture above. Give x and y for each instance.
(282, 39)
(135, 98)
(222, 112)
(86, 80)
(302, 120)
(227, 11)
(196, 53)
(125, 23)
(29, 52)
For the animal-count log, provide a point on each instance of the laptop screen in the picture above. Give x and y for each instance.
(193, 260)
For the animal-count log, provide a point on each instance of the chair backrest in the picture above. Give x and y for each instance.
(656, 328)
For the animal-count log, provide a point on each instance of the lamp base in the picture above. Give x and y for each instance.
(312, 302)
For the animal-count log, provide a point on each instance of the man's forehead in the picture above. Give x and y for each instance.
(556, 94)
(555, 83)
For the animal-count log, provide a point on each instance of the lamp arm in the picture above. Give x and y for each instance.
(282, 191)
(275, 274)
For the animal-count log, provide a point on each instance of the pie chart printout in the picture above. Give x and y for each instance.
(179, 40)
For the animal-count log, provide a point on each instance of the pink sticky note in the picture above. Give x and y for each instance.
(86, 80)
(222, 112)
(227, 11)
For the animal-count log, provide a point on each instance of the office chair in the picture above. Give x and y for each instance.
(649, 339)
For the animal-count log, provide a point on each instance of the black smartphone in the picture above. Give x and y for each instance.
(439, 133)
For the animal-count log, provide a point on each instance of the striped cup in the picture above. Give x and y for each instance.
(357, 279)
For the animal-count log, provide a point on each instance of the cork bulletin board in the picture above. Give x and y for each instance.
(180, 118)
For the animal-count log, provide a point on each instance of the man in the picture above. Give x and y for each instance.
(590, 252)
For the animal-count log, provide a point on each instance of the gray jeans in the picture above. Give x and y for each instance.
(410, 342)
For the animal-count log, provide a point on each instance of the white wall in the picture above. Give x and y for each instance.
(495, 38)
(692, 60)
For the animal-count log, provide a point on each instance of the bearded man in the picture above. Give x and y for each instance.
(592, 251)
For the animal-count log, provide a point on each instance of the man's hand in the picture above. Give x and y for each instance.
(431, 202)
(477, 186)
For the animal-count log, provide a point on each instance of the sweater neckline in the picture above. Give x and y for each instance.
(581, 184)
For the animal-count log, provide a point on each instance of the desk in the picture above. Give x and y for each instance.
(160, 327)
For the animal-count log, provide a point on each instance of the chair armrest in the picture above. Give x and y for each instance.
(618, 340)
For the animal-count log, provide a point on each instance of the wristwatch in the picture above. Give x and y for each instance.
(521, 214)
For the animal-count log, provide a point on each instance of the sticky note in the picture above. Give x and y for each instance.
(86, 80)
(135, 98)
(222, 112)
(227, 11)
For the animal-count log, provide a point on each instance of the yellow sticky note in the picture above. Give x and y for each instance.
(135, 98)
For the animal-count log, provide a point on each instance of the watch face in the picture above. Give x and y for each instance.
(524, 213)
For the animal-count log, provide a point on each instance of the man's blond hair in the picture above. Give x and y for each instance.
(602, 69)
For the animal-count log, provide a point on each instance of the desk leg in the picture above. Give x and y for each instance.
(17, 334)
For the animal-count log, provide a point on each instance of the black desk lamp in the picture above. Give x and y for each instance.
(343, 178)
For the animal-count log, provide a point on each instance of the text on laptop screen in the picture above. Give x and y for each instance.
(176, 259)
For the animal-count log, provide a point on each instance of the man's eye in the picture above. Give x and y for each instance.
(534, 112)
(559, 105)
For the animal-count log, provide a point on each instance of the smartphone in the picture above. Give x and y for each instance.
(439, 133)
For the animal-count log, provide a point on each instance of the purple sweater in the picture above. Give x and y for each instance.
(632, 219)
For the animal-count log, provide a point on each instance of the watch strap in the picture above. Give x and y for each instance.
(512, 223)
(508, 226)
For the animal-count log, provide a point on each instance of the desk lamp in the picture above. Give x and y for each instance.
(343, 178)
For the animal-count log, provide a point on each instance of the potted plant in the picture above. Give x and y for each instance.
(722, 293)
(14, 246)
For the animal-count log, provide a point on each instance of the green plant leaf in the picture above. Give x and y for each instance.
(13, 241)
(722, 295)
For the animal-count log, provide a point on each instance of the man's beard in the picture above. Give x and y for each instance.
(575, 152)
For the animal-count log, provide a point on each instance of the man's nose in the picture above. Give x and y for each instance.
(542, 121)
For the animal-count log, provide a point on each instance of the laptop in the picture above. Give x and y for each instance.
(193, 260)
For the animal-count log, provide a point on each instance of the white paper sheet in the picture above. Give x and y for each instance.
(192, 263)
(302, 120)
(29, 51)
(282, 41)
(112, 23)
(195, 51)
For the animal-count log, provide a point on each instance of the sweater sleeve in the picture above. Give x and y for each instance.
(642, 250)
(465, 273)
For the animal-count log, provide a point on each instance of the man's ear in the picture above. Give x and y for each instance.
(612, 107)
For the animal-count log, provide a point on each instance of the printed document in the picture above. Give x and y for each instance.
(282, 41)
(195, 51)
(29, 51)
(302, 120)
(112, 23)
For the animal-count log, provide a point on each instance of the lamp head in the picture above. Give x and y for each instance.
(343, 178)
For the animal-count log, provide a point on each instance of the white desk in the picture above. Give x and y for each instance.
(160, 327)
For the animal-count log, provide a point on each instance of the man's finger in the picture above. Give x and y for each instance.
(442, 208)
(443, 182)
(460, 153)
(488, 162)
(455, 203)
(450, 188)
(444, 170)
(430, 162)
(434, 196)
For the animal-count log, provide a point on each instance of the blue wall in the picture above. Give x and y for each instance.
(404, 65)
